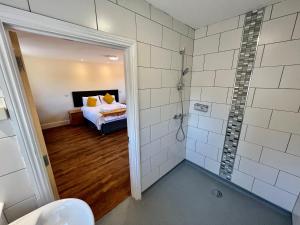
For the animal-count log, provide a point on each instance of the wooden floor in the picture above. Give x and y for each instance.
(90, 166)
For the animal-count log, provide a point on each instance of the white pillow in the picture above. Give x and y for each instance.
(84, 100)
(104, 102)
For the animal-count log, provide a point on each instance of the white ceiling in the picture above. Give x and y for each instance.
(197, 13)
(57, 48)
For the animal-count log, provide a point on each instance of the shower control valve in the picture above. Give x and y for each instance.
(178, 116)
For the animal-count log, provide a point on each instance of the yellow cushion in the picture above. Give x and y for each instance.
(108, 98)
(91, 102)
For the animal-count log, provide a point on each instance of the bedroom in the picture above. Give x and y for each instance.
(78, 92)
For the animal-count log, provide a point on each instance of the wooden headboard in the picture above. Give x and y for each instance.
(77, 95)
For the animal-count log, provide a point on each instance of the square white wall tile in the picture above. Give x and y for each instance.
(168, 111)
(294, 144)
(207, 45)
(21, 209)
(6, 128)
(114, 19)
(150, 178)
(11, 158)
(249, 150)
(159, 130)
(193, 120)
(188, 44)
(57, 9)
(160, 97)
(242, 179)
(280, 99)
(149, 78)
(274, 195)
(285, 8)
(290, 77)
(296, 33)
(225, 78)
(195, 93)
(161, 17)
(259, 55)
(160, 58)
(266, 77)
(210, 124)
(21, 4)
(10, 187)
(257, 117)
(145, 167)
(214, 94)
(170, 78)
(149, 117)
(150, 149)
(283, 161)
(277, 30)
(180, 27)
(288, 182)
(198, 134)
(176, 61)
(224, 25)
(218, 61)
(144, 99)
(171, 39)
(212, 165)
(191, 144)
(195, 157)
(268, 11)
(198, 63)
(231, 39)
(143, 54)
(216, 140)
(207, 150)
(285, 121)
(258, 170)
(159, 158)
(269, 138)
(205, 78)
(283, 53)
(220, 111)
(145, 136)
(148, 31)
(200, 32)
(138, 6)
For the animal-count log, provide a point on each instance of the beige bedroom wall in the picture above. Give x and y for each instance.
(52, 82)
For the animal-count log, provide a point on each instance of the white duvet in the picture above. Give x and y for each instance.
(94, 115)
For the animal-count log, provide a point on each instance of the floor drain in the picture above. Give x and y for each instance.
(217, 193)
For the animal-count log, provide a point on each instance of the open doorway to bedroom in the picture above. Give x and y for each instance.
(77, 91)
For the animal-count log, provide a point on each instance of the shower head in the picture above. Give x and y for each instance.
(185, 71)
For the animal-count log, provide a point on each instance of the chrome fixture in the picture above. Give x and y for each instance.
(180, 86)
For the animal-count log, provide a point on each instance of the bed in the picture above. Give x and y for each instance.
(92, 115)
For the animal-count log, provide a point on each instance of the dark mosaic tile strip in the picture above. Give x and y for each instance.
(246, 60)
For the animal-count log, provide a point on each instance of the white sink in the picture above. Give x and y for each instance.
(62, 212)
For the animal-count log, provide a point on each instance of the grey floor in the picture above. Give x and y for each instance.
(184, 197)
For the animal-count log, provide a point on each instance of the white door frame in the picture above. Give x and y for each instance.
(26, 21)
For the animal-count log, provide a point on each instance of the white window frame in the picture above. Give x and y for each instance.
(38, 24)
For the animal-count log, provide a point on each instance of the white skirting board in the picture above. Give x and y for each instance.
(54, 124)
(296, 212)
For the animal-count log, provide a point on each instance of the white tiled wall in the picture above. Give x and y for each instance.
(268, 161)
(159, 38)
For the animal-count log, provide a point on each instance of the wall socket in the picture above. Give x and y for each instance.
(200, 107)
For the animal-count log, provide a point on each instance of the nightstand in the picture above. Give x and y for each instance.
(76, 116)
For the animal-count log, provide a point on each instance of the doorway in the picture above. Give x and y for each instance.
(86, 145)
(31, 145)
